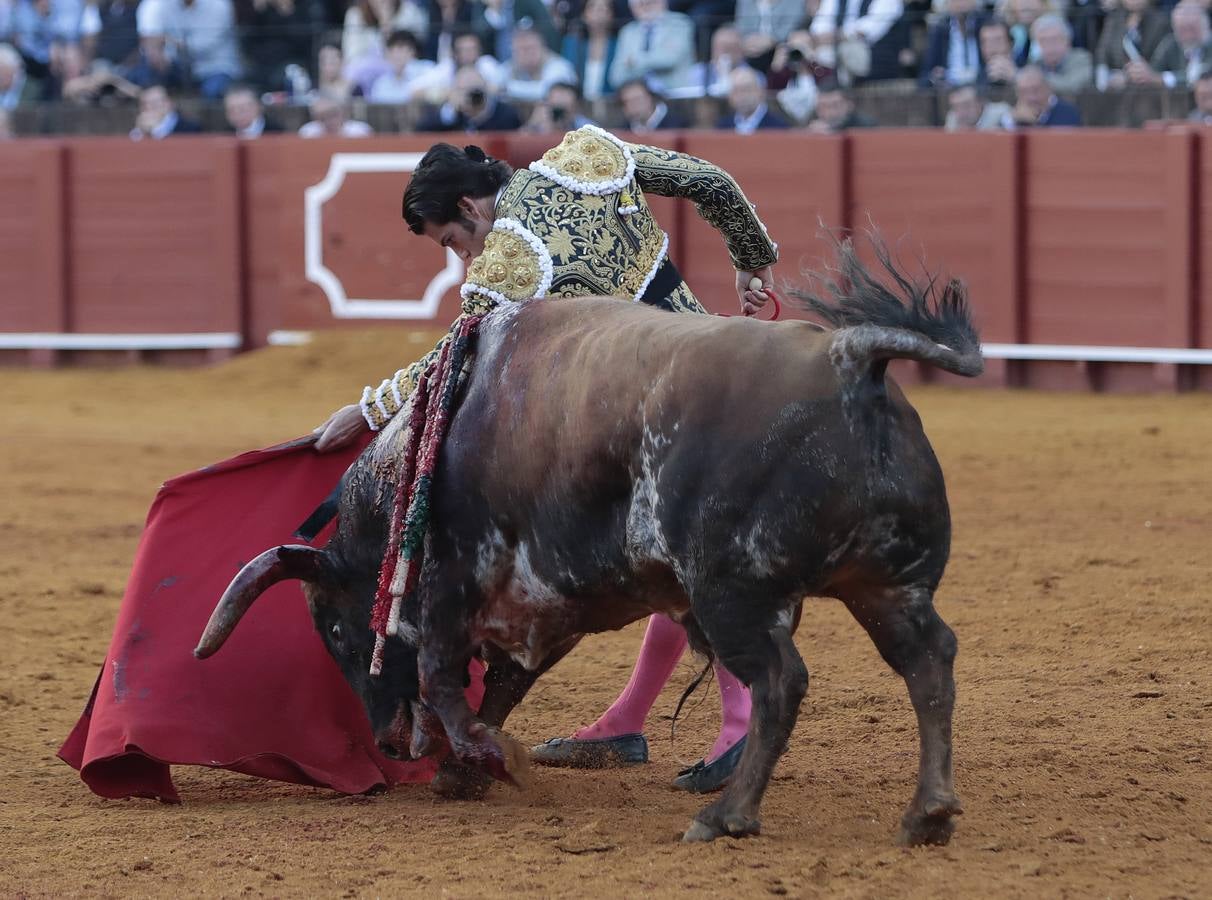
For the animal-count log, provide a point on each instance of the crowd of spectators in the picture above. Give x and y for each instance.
(549, 65)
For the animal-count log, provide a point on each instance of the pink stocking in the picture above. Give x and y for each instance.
(664, 643)
(734, 715)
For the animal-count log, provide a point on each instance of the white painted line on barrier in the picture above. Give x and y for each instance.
(1082, 353)
(216, 340)
(343, 307)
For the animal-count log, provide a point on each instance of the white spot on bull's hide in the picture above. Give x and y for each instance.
(761, 549)
(645, 541)
(523, 614)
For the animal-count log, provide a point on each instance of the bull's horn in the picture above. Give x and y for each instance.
(274, 565)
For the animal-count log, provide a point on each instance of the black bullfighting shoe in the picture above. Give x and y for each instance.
(705, 777)
(592, 753)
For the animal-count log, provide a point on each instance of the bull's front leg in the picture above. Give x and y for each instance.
(505, 685)
(449, 598)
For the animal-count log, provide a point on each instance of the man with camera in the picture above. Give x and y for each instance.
(559, 111)
(472, 107)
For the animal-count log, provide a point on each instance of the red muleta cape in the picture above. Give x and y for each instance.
(271, 703)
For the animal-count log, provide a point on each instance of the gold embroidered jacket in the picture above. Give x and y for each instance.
(575, 223)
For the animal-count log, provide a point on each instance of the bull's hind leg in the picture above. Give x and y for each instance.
(770, 666)
(918, 645)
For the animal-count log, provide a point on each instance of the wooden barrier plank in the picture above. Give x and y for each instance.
(1103, 216)
(154, 236)
(33, 264)
(795, 179)
(950, 200)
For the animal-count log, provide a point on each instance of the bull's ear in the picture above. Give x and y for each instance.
(277, 564)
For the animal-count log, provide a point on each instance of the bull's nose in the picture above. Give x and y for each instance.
(389, 750)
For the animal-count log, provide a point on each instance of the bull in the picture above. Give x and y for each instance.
(609, 461)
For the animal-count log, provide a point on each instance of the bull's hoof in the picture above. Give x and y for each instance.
(734, 826)
(457, 781)
(933, 824)
(496, 753)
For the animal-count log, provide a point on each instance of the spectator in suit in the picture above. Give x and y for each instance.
(330, 118)
(763, 25)
(15, 88)
(644, 110)
(1068, 69)
(747, 101)
(158, 118)
(710, 79)
(497, 20)
(860, 39)
(967, 110)
(533, 68)
(405, 73)
(835, 111)
(953, 50)
(473, 107)
(997, 53)
(1202, 114)
(245, 114)
(1037, 104)
(560, 112)
(1182, 55)
(657, 46)
(590, 47)
(1133, 31)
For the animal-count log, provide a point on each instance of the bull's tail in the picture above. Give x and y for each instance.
(875, 323)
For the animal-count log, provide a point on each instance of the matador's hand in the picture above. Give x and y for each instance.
(752, 298)
(341, 429)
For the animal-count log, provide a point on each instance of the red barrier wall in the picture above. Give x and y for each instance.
(154, 237)
(32, 246)
(1067, 237)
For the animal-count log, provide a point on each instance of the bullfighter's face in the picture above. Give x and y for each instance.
(465, 235)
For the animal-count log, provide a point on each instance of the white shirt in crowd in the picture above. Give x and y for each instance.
(881, 16)
(162, 130)
(392, 88)
(556, 70)
(205, 31)
(351, 129)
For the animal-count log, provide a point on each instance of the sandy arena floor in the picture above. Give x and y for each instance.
(1078, 588)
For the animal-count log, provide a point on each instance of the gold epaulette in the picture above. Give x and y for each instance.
(514, 266)
(589, 160)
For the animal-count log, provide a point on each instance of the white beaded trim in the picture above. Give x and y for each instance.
(540, 250)
(598, 188)
(656, 265)
(364, 405)
(395, 388)
(628, 210)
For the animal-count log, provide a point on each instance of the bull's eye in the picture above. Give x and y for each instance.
(335, 631)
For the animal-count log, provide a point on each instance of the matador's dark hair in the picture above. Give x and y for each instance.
(446, 174)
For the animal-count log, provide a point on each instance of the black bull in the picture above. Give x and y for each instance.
(609, 461)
